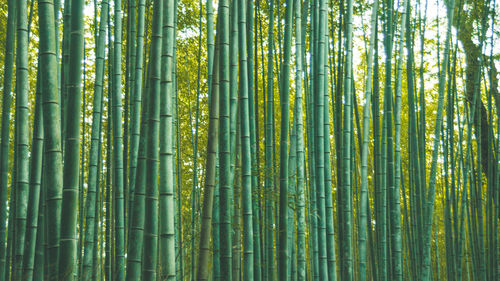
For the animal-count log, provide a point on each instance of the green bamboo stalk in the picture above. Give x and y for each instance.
(257, 203)
(346, 250)
(319, 131)
(135, 115)
(337, 124)
(53, 175)
(5, 133)
(22, 146)
(253, 121)
(414, 166)
(215, 235)
(269, 153)
(364, 203)
(292, 169)
(203, 269)
(479, 203)
(130, 88)
(235, 147)
(396, 243)
(385, 203)
(63, 100)
(68, 246)
(34, 185)
(311, 156)
(300, 198)
(38, 267)
(421, 142)
(246, 151)
(210, 45)
(330, 232)
(195, 150)
(179, 243)
(97, 255)
(81, 188)
(117, 145)
(464, 197)
(224, 144)
(30, 18)
(93, 166)
(451, 220)
(279, 60)
(177, 190)
(233, 83)
(166, 184)
(237, 271)
(387, 139)
(322, 78)
(57, 7)
(109, 165)
(492, 184)
(152, 155)
(136, 238)
(261, 202)
(380, 211)
(285, 120)
(11, 233)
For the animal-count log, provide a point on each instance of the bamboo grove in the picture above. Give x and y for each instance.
(249, 140)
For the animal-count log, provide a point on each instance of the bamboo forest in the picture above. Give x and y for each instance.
(241, 140)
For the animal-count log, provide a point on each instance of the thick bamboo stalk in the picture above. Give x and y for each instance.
(166, 184)
(224, 143)
(35, 186)
(71, 172)
(246, 153)
(22, 131)
(152, 152)
(5, 133)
